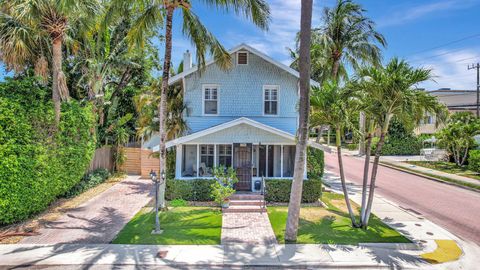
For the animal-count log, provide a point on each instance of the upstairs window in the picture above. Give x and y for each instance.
(270, 100)
(242, 58)
(210, 100)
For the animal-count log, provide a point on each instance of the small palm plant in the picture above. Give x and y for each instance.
(222, 189)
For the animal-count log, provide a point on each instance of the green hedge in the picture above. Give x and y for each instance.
(394, 146)
(278, 190)
(189, 190)
(37, 163)
(89, 181)
(474, 160)
(315, 163)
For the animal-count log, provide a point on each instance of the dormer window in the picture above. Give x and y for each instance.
(242, 58)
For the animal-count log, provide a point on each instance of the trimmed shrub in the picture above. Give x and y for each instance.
(474, 160)
(37, 163)
(278, 190)
(352, 146)
(178, 203)
(394, 146)
(315, 163)
(189, 190)
(89, 181)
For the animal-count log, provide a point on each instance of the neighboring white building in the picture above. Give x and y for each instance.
(455, 100)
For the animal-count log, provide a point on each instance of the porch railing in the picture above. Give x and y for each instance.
(264, 193)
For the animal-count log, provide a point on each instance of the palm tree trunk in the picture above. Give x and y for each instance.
(301, 148)
(361, 148)
(162, 108)
(368, 149)
(57, 66)
(335, 68)
(373, 178)
(342, 177)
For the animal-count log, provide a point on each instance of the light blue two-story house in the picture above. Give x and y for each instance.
(245, 117)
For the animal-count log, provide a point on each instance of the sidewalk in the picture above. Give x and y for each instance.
(399, 163)
(387, 256)
(99, 219)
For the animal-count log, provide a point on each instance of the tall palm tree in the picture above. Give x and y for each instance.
(334, 106)
(160, 13)
(27, 27)
(291, 229)
(348, 38)
(390, 91)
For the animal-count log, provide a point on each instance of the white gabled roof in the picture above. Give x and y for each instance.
(238, 121)
(241, 47)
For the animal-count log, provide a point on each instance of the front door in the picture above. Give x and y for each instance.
(242, 163)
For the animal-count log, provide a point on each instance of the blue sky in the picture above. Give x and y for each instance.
(416, 30)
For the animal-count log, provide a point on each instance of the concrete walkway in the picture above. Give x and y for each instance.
(99, 219)
(247, 228)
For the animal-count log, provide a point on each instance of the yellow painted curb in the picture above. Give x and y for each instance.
(447, 251)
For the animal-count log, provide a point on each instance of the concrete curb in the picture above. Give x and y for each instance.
(395, 246)
(391, 166)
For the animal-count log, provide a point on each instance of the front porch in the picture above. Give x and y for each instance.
(253, 149)
(251, 161)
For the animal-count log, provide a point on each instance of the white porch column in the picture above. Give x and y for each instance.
(178, 161)
(215, 155)
(266, 161)
(198, 159)
(281, 160)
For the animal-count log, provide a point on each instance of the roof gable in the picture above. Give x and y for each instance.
(227, 125)
(242, 47)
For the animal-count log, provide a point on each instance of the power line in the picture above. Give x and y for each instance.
(437, 55)
(477, 67)
(445, 44)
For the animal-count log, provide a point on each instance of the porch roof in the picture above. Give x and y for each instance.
(242, 124)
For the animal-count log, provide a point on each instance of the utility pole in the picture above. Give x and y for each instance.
(477, 66)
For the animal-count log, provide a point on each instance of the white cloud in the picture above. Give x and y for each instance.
(412, 13)
(450, 68)
(284, 25)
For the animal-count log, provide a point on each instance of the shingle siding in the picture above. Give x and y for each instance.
(242, 133)
(240, 94)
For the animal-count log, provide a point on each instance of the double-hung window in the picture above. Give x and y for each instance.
(270, 100)
(224, 154)
(210, 99)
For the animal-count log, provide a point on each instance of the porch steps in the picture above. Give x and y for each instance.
(246, 196)
(246, 203)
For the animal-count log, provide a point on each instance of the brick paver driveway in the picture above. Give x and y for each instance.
(99, 219)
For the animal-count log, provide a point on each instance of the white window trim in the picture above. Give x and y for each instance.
(203, 99)
(271, 86)
(248, 58)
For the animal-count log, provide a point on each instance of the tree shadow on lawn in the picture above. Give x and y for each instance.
(337, 235)
(181, 226)
(335, 228)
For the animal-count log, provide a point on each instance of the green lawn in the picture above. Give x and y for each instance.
(181, 225)
(331, 225)
(448, 167)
